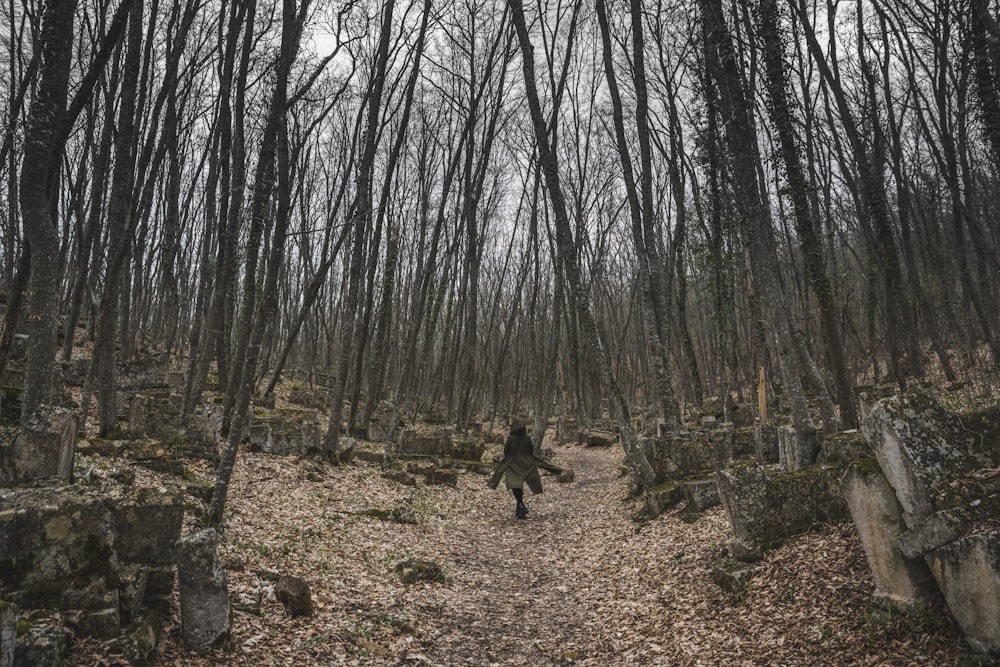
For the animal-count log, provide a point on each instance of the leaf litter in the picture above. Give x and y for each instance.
(578, 582)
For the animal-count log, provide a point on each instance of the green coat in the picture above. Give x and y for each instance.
(519, 465)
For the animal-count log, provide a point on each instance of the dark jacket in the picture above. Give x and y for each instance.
(519, 465)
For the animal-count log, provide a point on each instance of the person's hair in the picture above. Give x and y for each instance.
(516, 424)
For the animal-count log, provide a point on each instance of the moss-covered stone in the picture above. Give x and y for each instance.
(415, 570)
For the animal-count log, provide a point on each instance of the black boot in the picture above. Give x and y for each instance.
(522, 510)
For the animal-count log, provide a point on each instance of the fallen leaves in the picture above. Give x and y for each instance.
(575, 583)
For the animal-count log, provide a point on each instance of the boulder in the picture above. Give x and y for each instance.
(902, 580)
(293, 592)
(204, 592)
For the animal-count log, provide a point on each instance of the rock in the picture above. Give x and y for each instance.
(659, 499)
(148, 524)
(400, 476)
(57, 551)
(441, 477)
(439, 445)
(8, 632)
(797, 450)
(45, 448)
(137, 645)
(565, 477)
(414, 570)
(700, 494)
(287, 432)
(294, 594)
(765, 440)
(900, 579)
(680, 456)
(733, 576)
(764, 510)
(598, 438)
(844, 448)
(42, 646)
(968, 571)
(131, 591)
(921, 448)
(204, 593)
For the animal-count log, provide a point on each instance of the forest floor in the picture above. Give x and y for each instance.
(578, 582)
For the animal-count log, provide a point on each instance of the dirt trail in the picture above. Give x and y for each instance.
(522, 591)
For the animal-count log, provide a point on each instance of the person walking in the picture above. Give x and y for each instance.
(519, 466)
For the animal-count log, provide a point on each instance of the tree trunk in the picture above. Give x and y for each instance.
(805, 226)
(39, 170)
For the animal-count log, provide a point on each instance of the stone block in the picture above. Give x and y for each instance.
(765, 441)
(139, 644)
(700, 494)
(733, 576)
(57, 550)
(764, 510)
(148, 524)
(659, 499)
(42, 646)
(8, 632)
(968, 572)
(294, 594)
(131, 591)
(284, 435)
(46, 447)
(921, 448)
(900, 579)
(160, 587)
(681, 456)
(147, 371)
(204, 592)
(844, 448)
(10, 405)
(441, 477)
(796, 450)
(438, 445)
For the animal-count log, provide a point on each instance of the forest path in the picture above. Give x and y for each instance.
(540, 590)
